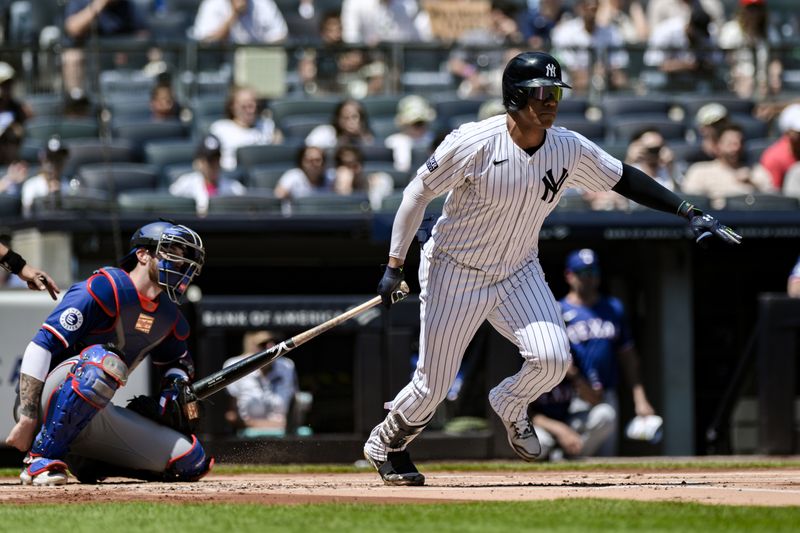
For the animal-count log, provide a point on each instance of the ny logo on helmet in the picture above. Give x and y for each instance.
(551, 70)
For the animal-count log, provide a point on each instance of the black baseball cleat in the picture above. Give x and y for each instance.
(397, 469)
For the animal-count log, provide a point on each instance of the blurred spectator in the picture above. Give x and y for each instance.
(15, 174)
(327, 67)
(207, 179)
(309, 176)
(303, 19)
(243, 126)
(483, 53)
(660, 10)
(784, 154)
(374, 21)
(370, 79)
(11, 137)
(682, 51)
(537, 22)
(350, 177)
(349, 126)
(728, 174)
(11, 109)
(414, 118)
(649, 153)
(709, 121)
(163, 106)
(240, 22)
(793, 283)
(491, 108)
(98, 18)
(49, 182)
(580, 44)
(77, 104)
(754, 71)
(263, 399)
(601, 341)
(572, 434)
(627, 16)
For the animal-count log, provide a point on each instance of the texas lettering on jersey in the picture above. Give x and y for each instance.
(594, 328)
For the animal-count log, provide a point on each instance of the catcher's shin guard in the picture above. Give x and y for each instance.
(88, 388)
(190, 466)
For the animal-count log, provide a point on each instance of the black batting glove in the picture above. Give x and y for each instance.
(389, 286)
(704, 226)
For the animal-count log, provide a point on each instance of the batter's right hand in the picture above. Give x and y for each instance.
(389, 286)
(21, 435)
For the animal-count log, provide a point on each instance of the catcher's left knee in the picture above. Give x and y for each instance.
(191, 465)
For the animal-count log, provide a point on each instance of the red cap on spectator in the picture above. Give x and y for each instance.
(753, 2)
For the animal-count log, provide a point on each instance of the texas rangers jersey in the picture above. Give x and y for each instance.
(596, 334)
(107, 308)
(499, 195)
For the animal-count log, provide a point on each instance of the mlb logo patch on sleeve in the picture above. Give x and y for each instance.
(432, 164)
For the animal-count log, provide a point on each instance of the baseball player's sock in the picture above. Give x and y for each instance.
(397, 469)
(43, 472)
(522, 438)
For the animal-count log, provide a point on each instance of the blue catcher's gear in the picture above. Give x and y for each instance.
(179, 252)
(190, 466)
(525, 74)
(88, 388)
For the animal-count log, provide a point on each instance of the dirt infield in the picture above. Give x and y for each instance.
(766, 487)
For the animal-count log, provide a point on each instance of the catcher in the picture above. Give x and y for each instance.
(83, 353)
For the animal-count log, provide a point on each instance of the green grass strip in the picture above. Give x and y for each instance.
(660, 464)
(575, 515)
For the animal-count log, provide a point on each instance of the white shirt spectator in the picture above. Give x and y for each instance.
(323, 136)
(374, 21)
(36, 187)
(231, 136)
(296, 183)
(262, 394)
(262, 23)
(570, 35)
(193, 185)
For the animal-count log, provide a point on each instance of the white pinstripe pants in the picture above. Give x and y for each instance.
(454, 302)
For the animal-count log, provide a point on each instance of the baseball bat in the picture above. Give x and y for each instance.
(205, 387)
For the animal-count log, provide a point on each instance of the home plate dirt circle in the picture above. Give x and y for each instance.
(766, 487)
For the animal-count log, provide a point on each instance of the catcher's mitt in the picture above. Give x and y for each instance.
(171, 415)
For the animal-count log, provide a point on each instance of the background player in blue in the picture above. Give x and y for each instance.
(600, 338)
(83, 353)
(502, 177)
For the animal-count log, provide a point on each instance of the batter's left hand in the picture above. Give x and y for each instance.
(389, 286)
(705, 226)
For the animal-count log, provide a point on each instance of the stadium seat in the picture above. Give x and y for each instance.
(41, 129)
(752, 127)
(82, 201)
(170, 173)
(572, 203)
(118, 177)
(392, 202)
(399, 177)
(753, 148)
(169, 152)
(621, 129)
(266, 176)
(456, 121)
(573, 106)
(86, 151)
(623, 105)
(154, 203)
(267, 154)
(45, 104)
(383, 126)
(691, 103)
(330, 204)
(290, 107)
(139, 133)
(761, 202)
(449, 107)
(251, 203)
(376, 153)
(122, 111)
(209, 105)
(10, 206)
(595, 131)
(381, 106)
(296, 128)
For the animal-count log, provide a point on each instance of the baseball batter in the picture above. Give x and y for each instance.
(84, 351)
(503, 176)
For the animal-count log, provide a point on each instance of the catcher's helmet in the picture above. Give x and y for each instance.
(528, 70)
(179, 251)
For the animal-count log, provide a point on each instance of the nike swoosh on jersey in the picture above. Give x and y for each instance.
(498, 162)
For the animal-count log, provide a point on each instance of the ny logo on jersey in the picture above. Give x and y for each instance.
(551, 70)
(551, 186)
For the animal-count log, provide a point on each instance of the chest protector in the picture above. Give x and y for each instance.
(135, 331)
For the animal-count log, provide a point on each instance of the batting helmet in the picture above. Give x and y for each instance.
(526, 71)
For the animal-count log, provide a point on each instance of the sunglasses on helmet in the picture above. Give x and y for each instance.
(545, 93)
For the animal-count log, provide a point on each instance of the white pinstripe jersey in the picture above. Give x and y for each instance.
(499, 195)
